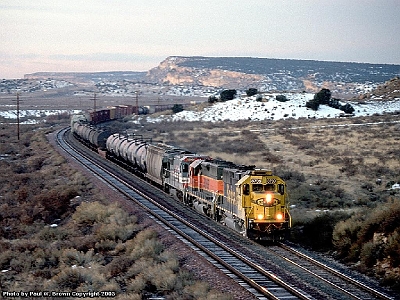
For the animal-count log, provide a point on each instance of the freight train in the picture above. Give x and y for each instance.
(251, 201)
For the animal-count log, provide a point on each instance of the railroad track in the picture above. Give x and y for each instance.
(263, 271)
(258, 281)
(341, 282)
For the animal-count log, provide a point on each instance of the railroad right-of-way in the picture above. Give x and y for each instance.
(264, 272)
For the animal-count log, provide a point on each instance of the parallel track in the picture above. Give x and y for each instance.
(349, 286)
(258, 281)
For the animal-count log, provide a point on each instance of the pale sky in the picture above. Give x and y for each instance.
(136, 35)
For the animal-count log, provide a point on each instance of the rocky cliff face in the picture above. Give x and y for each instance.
(342, 78)
(171, 71)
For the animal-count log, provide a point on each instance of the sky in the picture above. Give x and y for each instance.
(136, 35)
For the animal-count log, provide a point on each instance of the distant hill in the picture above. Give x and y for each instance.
(82, 77)
(271, 74)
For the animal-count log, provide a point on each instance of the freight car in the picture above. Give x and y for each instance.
(95, 138)
(114, 112)
(249, 200)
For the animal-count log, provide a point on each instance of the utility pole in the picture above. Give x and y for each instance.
(94, 102)
(137, 102)
(17, 115)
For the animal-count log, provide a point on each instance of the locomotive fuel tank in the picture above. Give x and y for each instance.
(233, 223)
(199, 207)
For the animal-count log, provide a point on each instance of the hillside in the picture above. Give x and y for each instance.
(271, 74)
(390, 90)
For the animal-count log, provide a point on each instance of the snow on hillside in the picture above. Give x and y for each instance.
(247, 108)
(34, 113)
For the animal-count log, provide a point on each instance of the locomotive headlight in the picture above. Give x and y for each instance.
(279, 216)
(260, 216)
(268, 198)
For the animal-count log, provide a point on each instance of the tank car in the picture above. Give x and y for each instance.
(131, 152)
(137, 154)
(93, 137)
(113, 145)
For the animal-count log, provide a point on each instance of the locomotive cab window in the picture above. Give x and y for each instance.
(246, 189)
(281, 189)
(184, 168)
(263, 187)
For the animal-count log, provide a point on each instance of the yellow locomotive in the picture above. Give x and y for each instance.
(251, 201)
(263, 203)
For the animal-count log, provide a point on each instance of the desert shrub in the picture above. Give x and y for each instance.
(344, 235)
(251, 91)
(105, 245)
(144, 244)
(129, 296)
(55, 201)
(369, 254)
(177, 108)
(287, 174)
(392, 248)
(71, 257)
(317, 232)
(198, 290)
(108, 224)
(270, 157)
(89, 213)
(281, 98)
(202, 291)
(170, 260)
(140, 265)
(21, 262)
(83, 243)
(226, 95)
(119, 265)
(53, 234)
(349, 168)
(5, 259)
(162, 271)
(162, 277)
(369, 237)
(137, 284)
(83, 279)
(114, 231)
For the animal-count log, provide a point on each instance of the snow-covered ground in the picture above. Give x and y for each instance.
(247, 108)
(30, 116)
